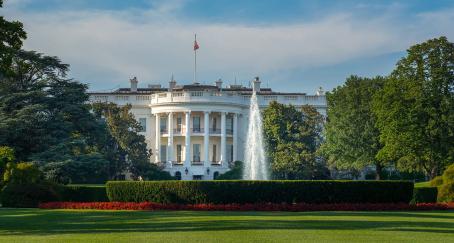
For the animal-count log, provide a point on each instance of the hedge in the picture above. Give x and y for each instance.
(227, 192)
(27, 195)
(425, 195)
(71, 193)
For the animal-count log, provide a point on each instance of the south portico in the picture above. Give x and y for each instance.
(193, 142)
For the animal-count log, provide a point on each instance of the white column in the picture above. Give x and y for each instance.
(206, 138)
(158, 137)
(223, 141)
(187, 159)
(235, 136)
(170, 139)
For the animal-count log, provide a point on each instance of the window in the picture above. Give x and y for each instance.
(163, 153)
(214, 153)
(179, 153)
(215, 175)
(178, 175)
(196, 124)
(214, 123)
(196, 153)
(143, 124)
(163, 124)
(179, 120)
(230, 152)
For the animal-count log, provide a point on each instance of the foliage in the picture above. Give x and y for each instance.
(352, 139)
(437, 181)
(12, 35)
(415, 109)
(292, 139)
(225, 192)
(22, 173)
(72, 193)
(6, 156)
(124, 147)
(27, 195)
(424, 195)
(446, 189)
(235, 173)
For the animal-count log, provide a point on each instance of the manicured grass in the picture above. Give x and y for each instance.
(422, 184)
(25, 225)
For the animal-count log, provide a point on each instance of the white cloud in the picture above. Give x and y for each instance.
(107, 47)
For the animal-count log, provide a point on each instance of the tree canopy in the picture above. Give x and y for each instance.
(415, 109)
(292, 139)
(352, 138)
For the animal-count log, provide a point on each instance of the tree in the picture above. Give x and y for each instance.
(415, 109)
(12, 36)
(292, 139)
(352, 138)
(124, 148)
(6, 156)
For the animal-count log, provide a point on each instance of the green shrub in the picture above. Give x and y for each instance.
(437, 181)
(446, 192)
(223, 192)
(448, 174)
(27, 195)
(424, 195)
(235, 173)
(72, 193)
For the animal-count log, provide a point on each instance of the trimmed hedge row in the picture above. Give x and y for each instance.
(227, 192)
(71, 193)
(424, 195)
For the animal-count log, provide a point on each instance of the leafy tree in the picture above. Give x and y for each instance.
(124, 148)
(352, 138)
(6, 156)
(293, 137)
(12, 36)
(415, 109)
(22, 173)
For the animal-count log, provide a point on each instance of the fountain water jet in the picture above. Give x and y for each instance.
(256, 167)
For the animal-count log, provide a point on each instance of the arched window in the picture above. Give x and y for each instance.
(178, 175)
(215, 175)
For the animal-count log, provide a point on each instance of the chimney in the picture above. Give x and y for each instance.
(219, 83)
(172, 84)
(134, 82)
(256, 85)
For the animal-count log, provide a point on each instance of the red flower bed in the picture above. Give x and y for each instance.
(299, 207)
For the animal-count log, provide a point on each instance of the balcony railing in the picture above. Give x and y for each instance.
(195, 162)
(163, 131)
(229, 131)
(215, 131)
(177, 163)
(197, 130)
(178, 131)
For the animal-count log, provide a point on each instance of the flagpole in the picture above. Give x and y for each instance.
(195, 59)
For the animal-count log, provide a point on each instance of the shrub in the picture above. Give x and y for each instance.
(225, 192)
(437, 181)
(235, 173)
(424, 195)
(446, 192)
(27, 195)
(72, 193)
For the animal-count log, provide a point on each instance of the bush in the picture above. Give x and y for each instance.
(82, 193)
(225, 192)
(27, 195)
(437, 181)
(235, 173)
(446, 192)
(424, 195)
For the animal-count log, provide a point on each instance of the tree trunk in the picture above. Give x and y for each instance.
(378, 171)
(433, 172)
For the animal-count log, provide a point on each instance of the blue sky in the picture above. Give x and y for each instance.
(293, 45)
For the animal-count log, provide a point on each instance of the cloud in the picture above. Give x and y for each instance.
(105, 48)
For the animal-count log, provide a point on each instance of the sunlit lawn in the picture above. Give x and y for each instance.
(25, 225)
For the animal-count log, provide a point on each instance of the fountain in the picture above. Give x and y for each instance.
(256, 167)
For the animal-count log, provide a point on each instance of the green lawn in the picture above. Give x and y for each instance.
(25, 225)
(422, 184)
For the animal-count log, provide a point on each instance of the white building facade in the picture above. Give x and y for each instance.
(197, 131)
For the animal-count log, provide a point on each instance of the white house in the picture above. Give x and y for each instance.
(195, 131)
